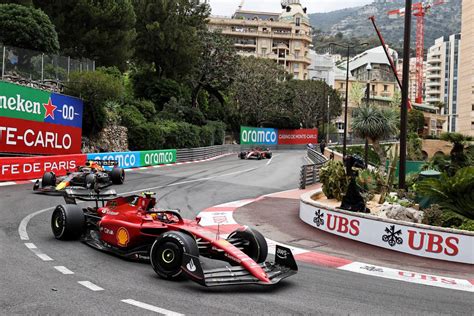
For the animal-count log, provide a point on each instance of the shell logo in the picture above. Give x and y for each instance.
(122, 237)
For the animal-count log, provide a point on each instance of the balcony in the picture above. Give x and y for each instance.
(433, 76)
(434, 60)
(434, 68)
(433, 84)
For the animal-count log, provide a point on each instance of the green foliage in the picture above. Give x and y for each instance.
(459, 159)
(218, 132)
(27, 27)
(95, 88)
(414, 147)
(376, 124)
(333, 177)
(451, 219)
(148, 86)
(256, 90)
(99, 30)
(433, 215)
(373, 157)
(452, 193)
(168, 35)
(147, 136)
(357, 93)
(370, 180)
(216, 67)
(180, 112)
(131, 116)
(416, 121)
(306, 101)
(467, 225)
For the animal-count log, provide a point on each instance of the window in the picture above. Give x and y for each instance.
(298, 21)
(385, 88)
(297, 54)
(296, 66)
(341, 85)
(472, 109)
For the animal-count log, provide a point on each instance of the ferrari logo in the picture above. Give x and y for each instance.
(122, 237)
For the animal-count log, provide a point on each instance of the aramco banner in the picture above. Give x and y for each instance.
(271, 136)
(297, 136)
(258, 136)
(39, 122)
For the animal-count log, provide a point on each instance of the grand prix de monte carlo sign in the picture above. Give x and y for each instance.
(39, 122)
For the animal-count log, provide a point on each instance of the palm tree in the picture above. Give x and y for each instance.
(376, 124)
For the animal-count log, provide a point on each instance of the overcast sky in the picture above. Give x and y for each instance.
(228, 7)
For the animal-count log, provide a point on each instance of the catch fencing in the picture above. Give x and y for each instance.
(39, 70)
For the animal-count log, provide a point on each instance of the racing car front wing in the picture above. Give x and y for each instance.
(283, 267)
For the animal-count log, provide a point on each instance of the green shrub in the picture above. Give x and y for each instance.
(467, 225)
(147, 136)
(180, 111)
(131, 117)
(218, 130)
(206, 136)
(333, 177)
(433, 215)
(452, 193)
(95, 88)
(451, 220)
(370, 181)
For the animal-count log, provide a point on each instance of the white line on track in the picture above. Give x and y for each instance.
(7, 183)
(271, 159)
(152, 308)
(30, 245)
(44, 257)
(63, 270)
(91, 286)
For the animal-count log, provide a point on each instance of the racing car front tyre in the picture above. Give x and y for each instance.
(251, 242)
(117, 175)
(49, 179)
(166, 254)
(67, 222)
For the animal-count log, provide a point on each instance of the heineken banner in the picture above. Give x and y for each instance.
(271, 136)
(39, 122)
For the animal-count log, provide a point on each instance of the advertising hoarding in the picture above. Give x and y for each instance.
(37, 121)
(297, 136)
(258, 136)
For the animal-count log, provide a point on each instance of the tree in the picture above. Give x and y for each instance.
(307, 102)
(459, 159)
(397, 99)
(357, 93)
(27, 27)
(376, 124)
(167, 35)
(256, 91)
(95, 88)
(100, 30)
(216, 67)
(416, 121)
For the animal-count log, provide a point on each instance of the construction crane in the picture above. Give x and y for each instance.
(419, 10)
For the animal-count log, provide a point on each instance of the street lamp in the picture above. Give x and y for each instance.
(348, 47)
(366, 149)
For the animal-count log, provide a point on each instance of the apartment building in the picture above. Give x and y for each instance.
(465, 111)
(442, 77)
(413, 78)
(284, 37)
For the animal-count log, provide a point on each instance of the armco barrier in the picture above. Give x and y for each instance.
(415, 239)
(26, 168)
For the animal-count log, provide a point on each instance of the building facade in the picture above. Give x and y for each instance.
(322, 67)
(465, 111)
(413, 78)
(284, 37)
(442, 77)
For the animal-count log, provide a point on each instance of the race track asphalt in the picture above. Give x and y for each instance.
(29, 285)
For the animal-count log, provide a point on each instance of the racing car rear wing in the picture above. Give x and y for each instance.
(82, 194)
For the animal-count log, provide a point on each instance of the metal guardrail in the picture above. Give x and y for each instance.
(201, 153)
(310, 173)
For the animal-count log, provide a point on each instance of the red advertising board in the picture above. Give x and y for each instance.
(21, 168)
(21, 136)
(297, 136)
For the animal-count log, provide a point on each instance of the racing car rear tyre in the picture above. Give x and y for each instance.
(166, 254)
(256, 246)
(67, 222)
(49, 179)
(259, 157)
(90, 181)
(117, 175)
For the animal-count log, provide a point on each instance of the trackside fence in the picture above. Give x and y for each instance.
(310, 173)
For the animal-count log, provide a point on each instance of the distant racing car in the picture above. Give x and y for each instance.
(93, 174)
(133, 227)
(257, 153)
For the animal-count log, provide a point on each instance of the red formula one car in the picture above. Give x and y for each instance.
(135, 228)
(257, 153)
